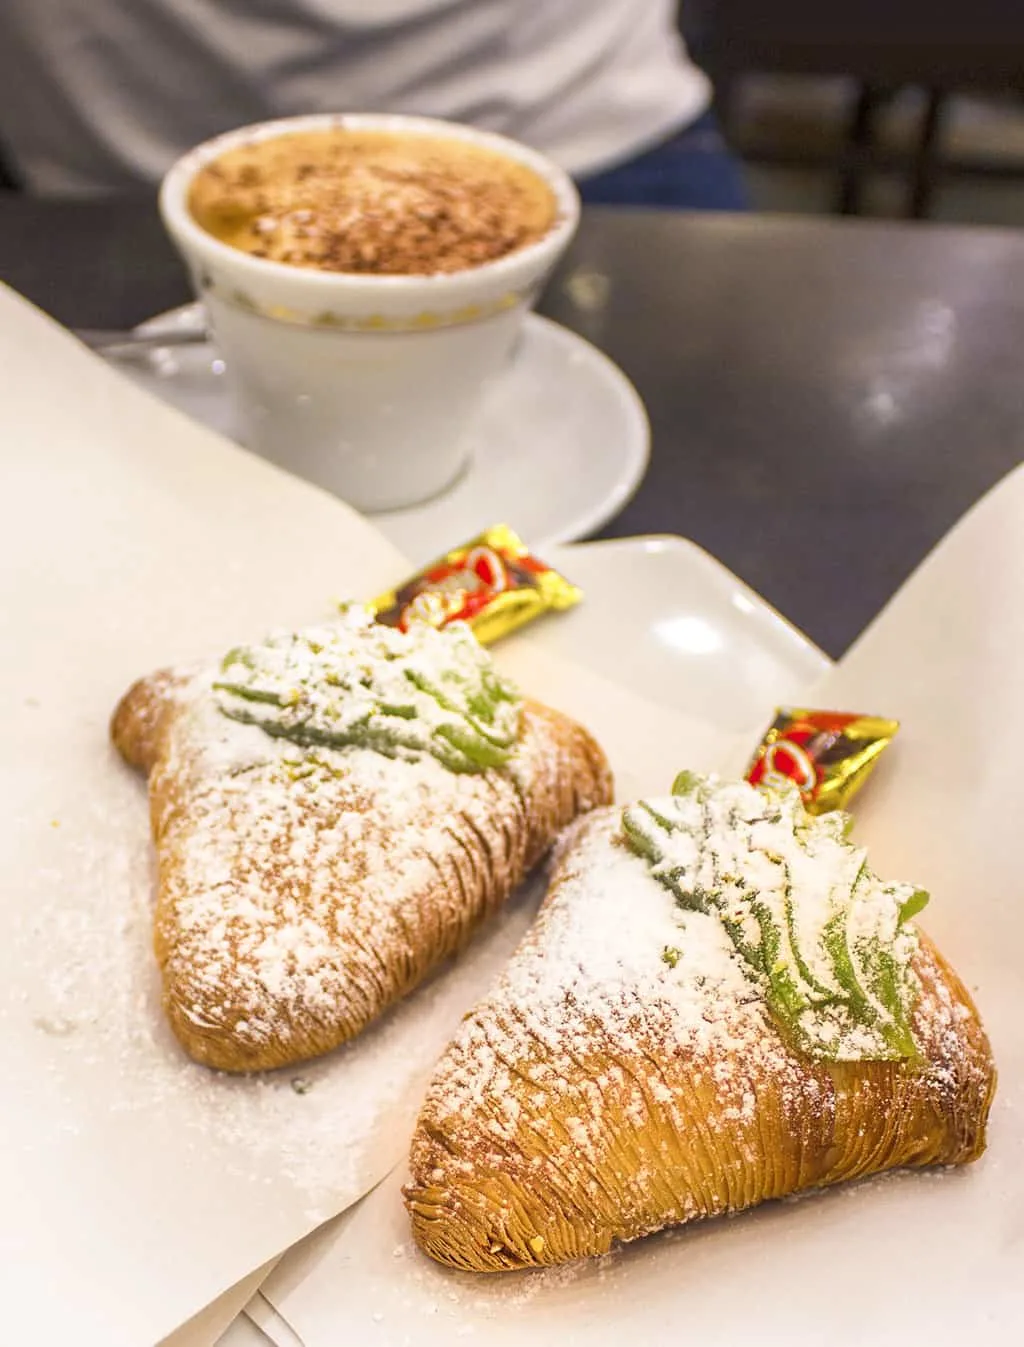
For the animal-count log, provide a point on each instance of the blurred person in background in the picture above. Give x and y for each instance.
(103, 95)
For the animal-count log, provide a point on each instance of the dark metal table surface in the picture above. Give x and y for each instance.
(826, 397)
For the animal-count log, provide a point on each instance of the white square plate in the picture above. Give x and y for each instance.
(662, 617)
(929, 1257)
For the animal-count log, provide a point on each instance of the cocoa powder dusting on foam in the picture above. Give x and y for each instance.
(372, 202)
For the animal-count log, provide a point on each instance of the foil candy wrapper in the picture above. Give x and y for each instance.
(493, 583)
(828, 755)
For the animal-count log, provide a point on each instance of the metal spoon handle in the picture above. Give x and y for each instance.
(110, 342)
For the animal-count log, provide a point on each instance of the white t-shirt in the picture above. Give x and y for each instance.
(101, 94)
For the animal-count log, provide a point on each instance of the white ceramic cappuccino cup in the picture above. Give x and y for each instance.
(365, 384)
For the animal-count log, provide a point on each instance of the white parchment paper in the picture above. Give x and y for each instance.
(137, 1187)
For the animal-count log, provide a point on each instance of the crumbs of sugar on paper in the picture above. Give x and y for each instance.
(98, 1001)
(96, 995)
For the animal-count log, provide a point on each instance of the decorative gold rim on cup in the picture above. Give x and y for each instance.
(424, 321)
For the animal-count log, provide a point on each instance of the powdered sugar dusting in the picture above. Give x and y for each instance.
(96, 997)
(625, 1073)
(821, 935)
(327, 1129)
(303, 889)
(356, 681)
(596, 957)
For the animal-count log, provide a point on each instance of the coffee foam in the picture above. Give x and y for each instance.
(372, 202)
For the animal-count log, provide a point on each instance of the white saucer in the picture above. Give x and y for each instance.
(559, 447)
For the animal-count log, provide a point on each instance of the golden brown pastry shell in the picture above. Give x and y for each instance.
(490, 829)
(606, 1146)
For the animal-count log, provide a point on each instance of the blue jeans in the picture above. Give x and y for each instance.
(694, 170)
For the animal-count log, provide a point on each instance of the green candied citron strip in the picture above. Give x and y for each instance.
(479, 722)
(493, 691)
(889, 984)
(240, 654)
(843, 968)
(307, 689)
(463, 744)
(785, 999)
(794, 939)
(660, 820)
(404, 712)
(734, 930)
(916, 903)
(865, 1006)
(639, 837)
(834, 940)
(248, 694)
(659, 826)
(381, 737)
(694, 898)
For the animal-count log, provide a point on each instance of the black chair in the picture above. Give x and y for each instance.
(884, 45)
(8, 178)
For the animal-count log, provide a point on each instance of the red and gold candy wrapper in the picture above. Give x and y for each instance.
(827, 754)
(493, 583)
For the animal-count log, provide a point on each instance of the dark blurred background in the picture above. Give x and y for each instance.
(871, 107)
(866, 107)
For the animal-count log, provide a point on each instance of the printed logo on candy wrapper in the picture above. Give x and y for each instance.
(458, 592)
(826, 754)
(434, 607)
(785, 761)
(485, 567)
(492, 583)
